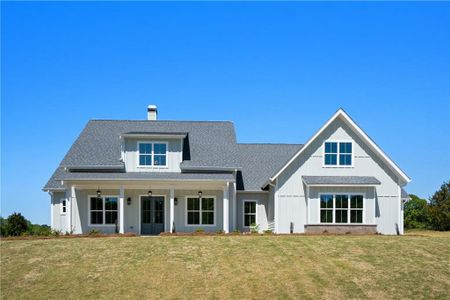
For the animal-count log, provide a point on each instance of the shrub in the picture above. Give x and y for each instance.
(55, 232)
(439, 208)
(268, 231)
(94, 232)
(200, 230)
(254, 228)
(16, 225)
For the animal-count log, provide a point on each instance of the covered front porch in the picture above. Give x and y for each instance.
(150, 207)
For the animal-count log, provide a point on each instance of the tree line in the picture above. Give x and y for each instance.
(433, 214)
(18, 225)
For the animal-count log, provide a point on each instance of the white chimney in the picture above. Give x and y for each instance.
(152, 112)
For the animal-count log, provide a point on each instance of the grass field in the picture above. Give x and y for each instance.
(412, 266)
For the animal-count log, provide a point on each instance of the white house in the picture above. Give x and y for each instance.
(152, 176)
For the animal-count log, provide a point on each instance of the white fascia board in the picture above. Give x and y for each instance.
(231, 169)
(54, 190)
(148, 179)
(251, 191)
(346, 118)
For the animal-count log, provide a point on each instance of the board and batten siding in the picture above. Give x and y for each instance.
(80, 210)
(262, 203)
(174, 155)
(59, 219)
(292, 204)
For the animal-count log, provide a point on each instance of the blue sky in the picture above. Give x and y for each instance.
(277, 70)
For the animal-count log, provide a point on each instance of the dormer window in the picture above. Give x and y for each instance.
(152, 154)
(338, 154)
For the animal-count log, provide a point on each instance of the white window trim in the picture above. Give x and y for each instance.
(103, 210)
(337, 165)
(243, 212)
(200, 211)
(138, 165)
(348, 214)
(62, 206)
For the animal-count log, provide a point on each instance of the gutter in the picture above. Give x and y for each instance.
(230, 169)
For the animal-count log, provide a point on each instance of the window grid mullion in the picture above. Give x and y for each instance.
(349, 214)
(334, 209)
(104, 208)
(152, 151)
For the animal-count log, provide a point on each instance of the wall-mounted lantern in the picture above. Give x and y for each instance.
(129, 200)
(99, 193)
(149, 193)
(200, 193)
(175, 201)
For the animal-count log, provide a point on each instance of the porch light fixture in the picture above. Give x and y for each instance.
(200, 193)
(149, 193)
(129, 200)
(175, 201)
(99, 193)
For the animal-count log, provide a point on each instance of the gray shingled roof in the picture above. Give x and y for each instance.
(211, 143)
(357, 180)
(259, 161)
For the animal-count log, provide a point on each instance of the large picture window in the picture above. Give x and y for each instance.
(200, 211)
(249, 213)
(338, 153)
(152, 154)
(103, 210)
(341, 208)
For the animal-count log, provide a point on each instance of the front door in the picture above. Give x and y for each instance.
(152, 218)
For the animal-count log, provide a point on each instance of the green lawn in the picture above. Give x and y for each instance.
(411, 266)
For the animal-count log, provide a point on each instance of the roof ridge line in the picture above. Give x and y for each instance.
(159, 121)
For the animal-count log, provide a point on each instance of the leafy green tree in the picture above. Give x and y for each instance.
(3, 227)
(416, 213)
(17, 224)
(439, 208)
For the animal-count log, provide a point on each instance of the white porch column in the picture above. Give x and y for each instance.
(72, 198)
(122, 210)
(171, 209)
(275, 207)
(226, 208)
(234, 216)
(52, 226)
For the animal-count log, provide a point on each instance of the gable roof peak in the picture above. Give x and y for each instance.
(340, 113)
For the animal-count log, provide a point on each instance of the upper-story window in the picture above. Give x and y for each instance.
(338, 154)
(152, 154)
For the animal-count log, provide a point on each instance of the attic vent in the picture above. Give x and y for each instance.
(152, 112)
